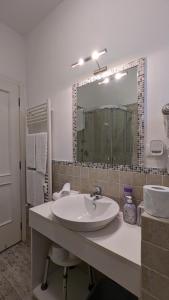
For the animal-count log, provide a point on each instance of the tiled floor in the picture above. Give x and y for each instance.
(15, 273)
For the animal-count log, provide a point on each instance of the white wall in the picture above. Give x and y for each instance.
(12, 54)
(157, 96)
(127, 28)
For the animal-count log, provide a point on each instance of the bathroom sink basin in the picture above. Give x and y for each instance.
(81, 213)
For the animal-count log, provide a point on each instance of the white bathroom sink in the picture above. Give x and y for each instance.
(80, 213)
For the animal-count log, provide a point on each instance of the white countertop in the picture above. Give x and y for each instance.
(114, 250)
(118, 237)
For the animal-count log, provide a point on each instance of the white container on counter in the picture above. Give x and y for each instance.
(156, 200)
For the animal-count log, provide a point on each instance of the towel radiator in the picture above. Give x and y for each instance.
(38, 120)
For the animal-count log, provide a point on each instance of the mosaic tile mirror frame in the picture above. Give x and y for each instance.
(140, 65)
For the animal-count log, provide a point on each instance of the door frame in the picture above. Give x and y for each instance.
(22, 113)
(22, 146)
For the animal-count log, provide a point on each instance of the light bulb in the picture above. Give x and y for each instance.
(81, 61)
(95, 55)
(120, 75)
(74, 65)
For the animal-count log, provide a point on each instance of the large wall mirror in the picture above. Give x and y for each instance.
(108, 117)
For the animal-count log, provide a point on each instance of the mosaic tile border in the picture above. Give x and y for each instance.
(134, 169)
(140, 64)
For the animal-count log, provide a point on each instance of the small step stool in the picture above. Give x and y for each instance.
(65, 259)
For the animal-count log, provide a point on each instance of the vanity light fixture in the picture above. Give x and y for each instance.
(95, 56)
(100, 70)
(120, 75)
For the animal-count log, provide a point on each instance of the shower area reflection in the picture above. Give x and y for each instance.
(107, 134)
(107, 120)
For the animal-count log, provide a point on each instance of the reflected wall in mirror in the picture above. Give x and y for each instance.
(108, 117)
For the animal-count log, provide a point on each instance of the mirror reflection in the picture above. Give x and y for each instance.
(107, 121)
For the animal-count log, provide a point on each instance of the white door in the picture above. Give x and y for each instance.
(10, 206)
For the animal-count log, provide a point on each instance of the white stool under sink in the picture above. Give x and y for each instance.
(65, 259)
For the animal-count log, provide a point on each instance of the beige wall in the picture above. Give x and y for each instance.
(112, 182)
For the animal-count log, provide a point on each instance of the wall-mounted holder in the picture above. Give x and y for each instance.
(156, 148)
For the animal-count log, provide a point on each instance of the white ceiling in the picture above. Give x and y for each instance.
(24, 15)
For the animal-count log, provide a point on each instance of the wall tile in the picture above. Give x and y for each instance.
(97, 177)
(61, 168)
(139, 179)
(84, 172)
(154, 179)
(112, 190)
(126, 178)
(69, 170)
(101, 174)
(121, 195)
(76, 183)
(113, 176)
(138, 194)
(55, 179)
(165, 180)
(155, 284)
(155, 258)
(76, 171)
(155, 231)
(84, 185)
(93, 174)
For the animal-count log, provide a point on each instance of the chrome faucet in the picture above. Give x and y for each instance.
(96, 195)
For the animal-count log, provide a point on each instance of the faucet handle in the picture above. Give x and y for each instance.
(97, 191)
(97, 194)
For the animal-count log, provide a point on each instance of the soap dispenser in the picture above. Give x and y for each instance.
(129, 211)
